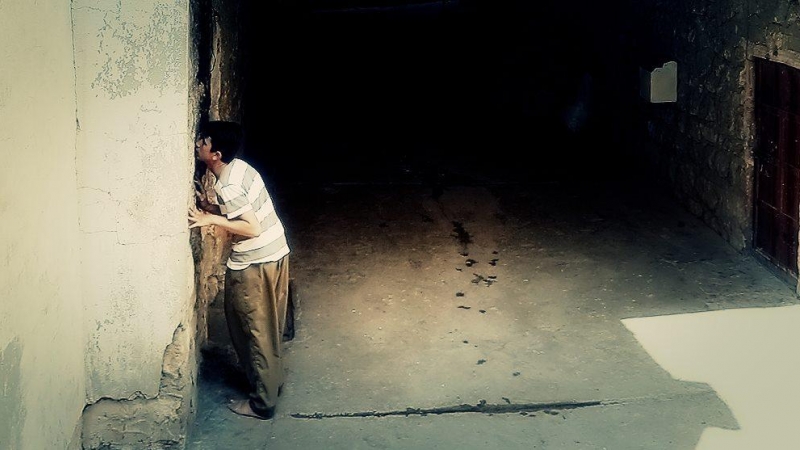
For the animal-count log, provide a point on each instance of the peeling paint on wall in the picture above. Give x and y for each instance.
(139, 52)
(11, 405)
(158, 422)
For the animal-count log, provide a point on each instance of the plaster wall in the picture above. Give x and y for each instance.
(97, 331)
(41, 338)
(134, 169)
(134, 165)
(42, 389)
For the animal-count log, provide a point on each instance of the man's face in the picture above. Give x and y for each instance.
(203, 152)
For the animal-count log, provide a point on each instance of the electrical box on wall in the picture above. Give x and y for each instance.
(659, 85)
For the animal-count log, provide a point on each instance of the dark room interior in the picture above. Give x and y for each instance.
(469, 91)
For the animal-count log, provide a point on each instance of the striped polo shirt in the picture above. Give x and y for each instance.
(239, 189)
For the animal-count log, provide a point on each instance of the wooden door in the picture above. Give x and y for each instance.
(777, 163)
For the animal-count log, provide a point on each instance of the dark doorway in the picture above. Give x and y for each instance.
(777, 163)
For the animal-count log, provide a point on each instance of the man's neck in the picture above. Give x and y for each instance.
(217, 168)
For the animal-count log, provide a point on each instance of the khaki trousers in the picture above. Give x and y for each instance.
(255, 310)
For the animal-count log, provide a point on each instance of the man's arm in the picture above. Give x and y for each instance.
(244, 225)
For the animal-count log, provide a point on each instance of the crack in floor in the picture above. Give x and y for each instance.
(482, 407)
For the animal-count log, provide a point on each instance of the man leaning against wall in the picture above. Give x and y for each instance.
(257, 273)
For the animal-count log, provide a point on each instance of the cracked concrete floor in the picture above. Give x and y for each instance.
(491, 316)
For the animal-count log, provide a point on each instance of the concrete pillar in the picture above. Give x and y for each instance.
(134, 168)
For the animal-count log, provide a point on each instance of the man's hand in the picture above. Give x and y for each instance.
(200, 218)
(245, 225)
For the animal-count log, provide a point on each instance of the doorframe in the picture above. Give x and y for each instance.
(770, 52)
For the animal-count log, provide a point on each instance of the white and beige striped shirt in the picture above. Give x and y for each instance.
(239, 189)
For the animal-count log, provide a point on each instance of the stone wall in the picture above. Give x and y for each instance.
(703, 143)
(225, 90)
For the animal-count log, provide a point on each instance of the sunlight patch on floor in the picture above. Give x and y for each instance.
(750, 357)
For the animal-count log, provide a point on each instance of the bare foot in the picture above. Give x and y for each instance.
(242, 408)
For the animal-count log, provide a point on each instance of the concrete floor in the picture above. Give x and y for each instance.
(516, 316)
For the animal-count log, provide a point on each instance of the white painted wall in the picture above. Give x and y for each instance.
(134, 166)
(42, 388)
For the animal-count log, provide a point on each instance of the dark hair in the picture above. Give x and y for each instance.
(226, 138)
